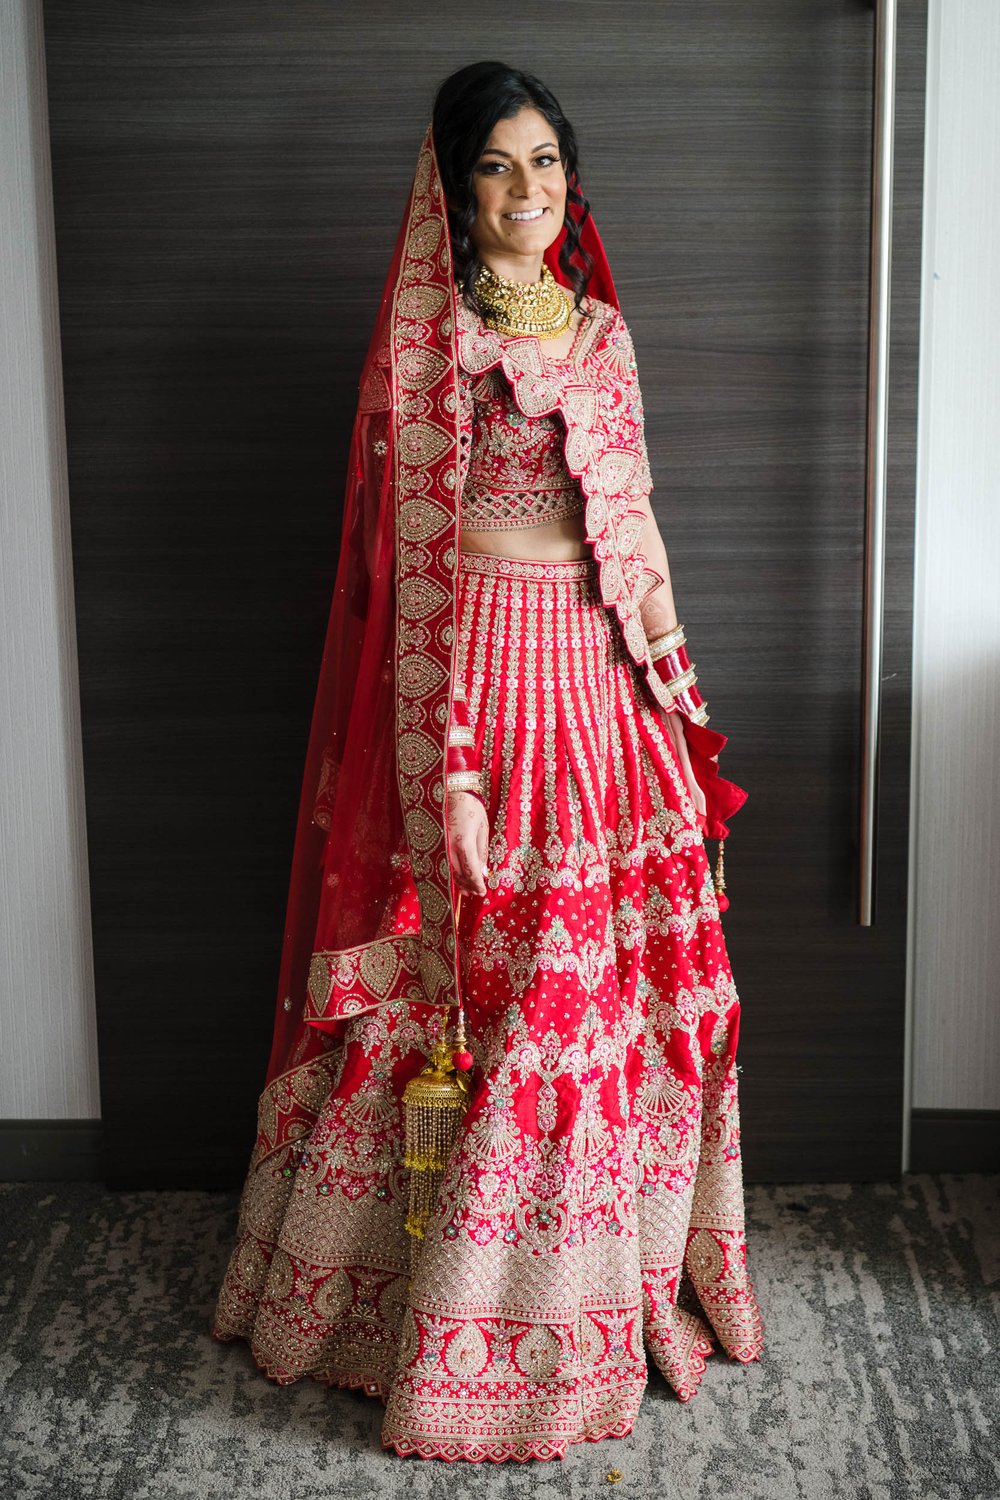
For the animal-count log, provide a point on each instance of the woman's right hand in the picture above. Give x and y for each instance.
(469, 840)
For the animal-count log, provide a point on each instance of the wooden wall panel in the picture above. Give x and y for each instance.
(229, 180)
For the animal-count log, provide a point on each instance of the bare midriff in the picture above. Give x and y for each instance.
(552, 541)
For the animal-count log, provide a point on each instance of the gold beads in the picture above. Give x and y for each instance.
(720, 870)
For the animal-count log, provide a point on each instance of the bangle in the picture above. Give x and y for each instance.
(659, 645)
(461, 762)
(676, 669)
(682, 681)
(465, 781)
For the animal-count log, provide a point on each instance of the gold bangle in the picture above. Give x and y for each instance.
(461, 735)
(661, 644)
(465, 781)
(685, 680)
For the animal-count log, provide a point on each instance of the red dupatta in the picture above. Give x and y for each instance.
(370, 917)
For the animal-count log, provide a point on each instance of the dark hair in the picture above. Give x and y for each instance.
(468, 105)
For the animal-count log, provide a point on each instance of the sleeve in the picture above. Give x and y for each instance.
(641, 481)
(463, 762)
(671, 660)
(638, 483)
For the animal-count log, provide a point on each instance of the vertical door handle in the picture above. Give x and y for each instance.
(876, 472)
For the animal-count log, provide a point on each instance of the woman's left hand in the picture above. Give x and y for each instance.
(675, 721)
(469, 838)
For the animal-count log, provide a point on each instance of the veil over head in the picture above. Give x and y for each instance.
(370, 916)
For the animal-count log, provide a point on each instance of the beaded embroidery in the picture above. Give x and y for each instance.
(517, 474)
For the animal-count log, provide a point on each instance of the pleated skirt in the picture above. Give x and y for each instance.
(591, 1213)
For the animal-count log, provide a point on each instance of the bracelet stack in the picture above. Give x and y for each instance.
(668, 654)
(463, 773)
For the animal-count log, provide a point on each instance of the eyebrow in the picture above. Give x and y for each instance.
(495, 150)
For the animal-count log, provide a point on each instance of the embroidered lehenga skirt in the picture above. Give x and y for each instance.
(592, 1209)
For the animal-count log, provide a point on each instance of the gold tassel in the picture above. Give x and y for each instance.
(433, 1105)
(720, 873)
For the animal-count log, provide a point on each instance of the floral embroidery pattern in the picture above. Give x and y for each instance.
(592, 1208)
(515, 470)
(598, 1170)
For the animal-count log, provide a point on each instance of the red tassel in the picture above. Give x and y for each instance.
(723, 798)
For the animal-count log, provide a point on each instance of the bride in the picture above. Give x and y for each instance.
(501, 903)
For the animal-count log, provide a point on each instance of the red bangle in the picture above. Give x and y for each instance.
(462, 762)
(677, 670)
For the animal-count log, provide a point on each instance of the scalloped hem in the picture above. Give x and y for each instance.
(542, 1451)
(280, 1376)
(752, 1346)
(503, 1452)
(748, 1355)
(703, 1346)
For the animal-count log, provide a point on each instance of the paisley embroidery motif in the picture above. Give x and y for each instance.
(597, 1173)
(598, 1166)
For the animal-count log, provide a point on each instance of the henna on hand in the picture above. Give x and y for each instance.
(468, 829)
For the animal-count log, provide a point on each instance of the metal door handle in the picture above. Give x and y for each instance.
(883, 127)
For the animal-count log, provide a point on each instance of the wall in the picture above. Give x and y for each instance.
(48, 1060)
(955, 850)
(48, 1067)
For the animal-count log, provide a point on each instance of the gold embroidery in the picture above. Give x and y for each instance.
(599, 1162)
(515, 471)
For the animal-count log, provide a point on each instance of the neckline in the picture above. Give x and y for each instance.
(570, 356)
(474, 324)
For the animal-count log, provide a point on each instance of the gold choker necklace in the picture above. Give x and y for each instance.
(514, 307)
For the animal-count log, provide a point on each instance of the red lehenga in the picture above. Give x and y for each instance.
(592, 1207)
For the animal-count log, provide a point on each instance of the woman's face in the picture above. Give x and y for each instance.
(520, 190)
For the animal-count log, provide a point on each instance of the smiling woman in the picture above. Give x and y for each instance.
(489, 1234)
(520, 188)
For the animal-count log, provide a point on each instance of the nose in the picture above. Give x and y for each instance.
(522, 183)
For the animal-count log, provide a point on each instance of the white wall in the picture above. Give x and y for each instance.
(955, 863)
(48, 1052)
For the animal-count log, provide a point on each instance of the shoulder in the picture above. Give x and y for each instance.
(609, 322)
(611, 340)
(605, 314)
(477, 348)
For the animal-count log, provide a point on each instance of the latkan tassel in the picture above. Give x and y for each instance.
(433, 1105)
(720, 880)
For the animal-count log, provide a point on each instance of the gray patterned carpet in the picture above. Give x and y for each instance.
(880, 1377)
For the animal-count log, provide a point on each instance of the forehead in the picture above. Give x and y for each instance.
(525, 130)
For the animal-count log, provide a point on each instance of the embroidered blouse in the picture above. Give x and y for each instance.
(514, 471)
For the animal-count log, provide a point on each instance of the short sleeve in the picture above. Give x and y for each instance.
(641, 482)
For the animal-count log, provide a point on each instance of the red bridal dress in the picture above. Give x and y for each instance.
(592, 1207)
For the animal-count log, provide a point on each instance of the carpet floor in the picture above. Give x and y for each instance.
(880, 1378)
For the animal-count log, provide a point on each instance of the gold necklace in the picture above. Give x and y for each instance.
(515, 307)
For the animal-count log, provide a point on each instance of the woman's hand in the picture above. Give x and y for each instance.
(469, 841)
(680, 743)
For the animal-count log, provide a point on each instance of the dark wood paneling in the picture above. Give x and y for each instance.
(228, 182)
(955, 1140)
(51, 1151)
